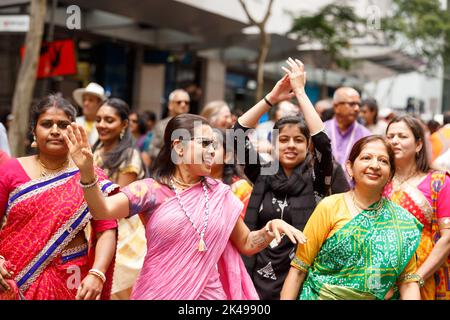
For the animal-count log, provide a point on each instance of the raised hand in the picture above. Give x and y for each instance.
(281, 91)
(79, 149)
(296, 74)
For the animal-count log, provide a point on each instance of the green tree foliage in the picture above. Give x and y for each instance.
(421, 27)
(333, 27)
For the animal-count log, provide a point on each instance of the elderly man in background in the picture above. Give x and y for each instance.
(179, 102)
(343, 129)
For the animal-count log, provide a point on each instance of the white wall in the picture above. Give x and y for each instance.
(393, 92)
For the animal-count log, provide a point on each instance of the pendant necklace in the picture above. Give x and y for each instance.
(201, 244)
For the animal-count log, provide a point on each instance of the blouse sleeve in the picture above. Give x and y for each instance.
(409, 270)
(316, 231)
(250, 157)
(323, 163)
(141, 196)
(135, 165)
(443, 205)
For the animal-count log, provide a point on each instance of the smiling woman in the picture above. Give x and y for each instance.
(360, 246)
(45, 217)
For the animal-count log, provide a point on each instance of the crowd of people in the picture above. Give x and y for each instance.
(334, 201)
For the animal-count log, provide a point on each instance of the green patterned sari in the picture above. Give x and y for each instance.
(364, 259)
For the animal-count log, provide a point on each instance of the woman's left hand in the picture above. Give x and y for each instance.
(280, 227)
(90, 288)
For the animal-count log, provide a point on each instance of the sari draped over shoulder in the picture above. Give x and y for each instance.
(422, 202)
(365, 258)
(173, 267)
(42, 217)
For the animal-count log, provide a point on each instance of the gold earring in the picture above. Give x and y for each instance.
(34, 143)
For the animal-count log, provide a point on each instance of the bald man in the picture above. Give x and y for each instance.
(343, 129)
(179, 102)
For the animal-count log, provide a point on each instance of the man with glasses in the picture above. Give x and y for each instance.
(179, 102)
(343, 129)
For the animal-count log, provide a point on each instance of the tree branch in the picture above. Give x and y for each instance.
(268, 12)
(244, 6)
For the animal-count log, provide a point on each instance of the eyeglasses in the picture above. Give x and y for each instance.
(179, 102)
(206, 142)
(351, 103)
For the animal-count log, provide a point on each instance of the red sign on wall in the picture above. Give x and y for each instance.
(57, 58)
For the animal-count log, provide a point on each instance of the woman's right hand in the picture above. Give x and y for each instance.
(79, 148)
(296, 74)
(4, 275)
(281, 91)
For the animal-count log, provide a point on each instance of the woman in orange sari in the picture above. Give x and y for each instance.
(44, 253)
(425, 193)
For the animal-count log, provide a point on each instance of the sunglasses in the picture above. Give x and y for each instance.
(206, 142)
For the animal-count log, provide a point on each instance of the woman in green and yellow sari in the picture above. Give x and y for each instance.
(360, 245)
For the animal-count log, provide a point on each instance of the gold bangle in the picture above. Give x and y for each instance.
(415, 277)
(89, 185)
(98, 274)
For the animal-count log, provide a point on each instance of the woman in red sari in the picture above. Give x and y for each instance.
(44, 253)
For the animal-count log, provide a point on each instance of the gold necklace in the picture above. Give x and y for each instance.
(44, 168)
(397, 183)
(183, 184)
(360, 207)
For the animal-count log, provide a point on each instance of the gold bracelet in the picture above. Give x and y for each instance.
(415, 277)
(89, 185)
(98, 274)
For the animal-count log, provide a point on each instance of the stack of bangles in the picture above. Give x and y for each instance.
(98, 274)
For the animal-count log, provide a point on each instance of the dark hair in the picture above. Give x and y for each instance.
(151, 116)
(163, 167)
(447, 117)
(415, 126)
(361, 143)
(233, 169)
(296, 120)
(300, 123)
(372, 104)
(48, 102)
(433, 126)
(327, 114)
(123, 152)
(141, 122)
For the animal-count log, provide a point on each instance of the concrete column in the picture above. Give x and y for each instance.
(214, 81)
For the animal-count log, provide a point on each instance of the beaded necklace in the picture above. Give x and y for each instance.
(201, 244)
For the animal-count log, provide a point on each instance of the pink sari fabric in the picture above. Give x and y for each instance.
(42, 217)
(173, 268)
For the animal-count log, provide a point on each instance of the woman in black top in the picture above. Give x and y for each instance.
(291, 191)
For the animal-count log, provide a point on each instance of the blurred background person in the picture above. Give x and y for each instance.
(114, 152)
(89, 99)
(179, 102)
(324, 108)
(369, 115)
(218, 114)
(344, 129)
(440, 140)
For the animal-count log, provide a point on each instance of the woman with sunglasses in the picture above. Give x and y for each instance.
(193, 225)
(291, 191)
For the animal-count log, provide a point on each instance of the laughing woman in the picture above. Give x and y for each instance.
(290, 194)
(360, 245)
(192, 222)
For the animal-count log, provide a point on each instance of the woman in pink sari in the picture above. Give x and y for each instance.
(193, 225)
(43, 250)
